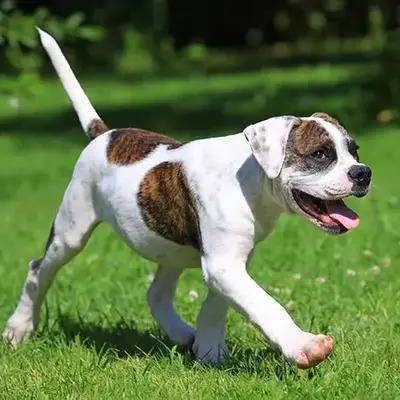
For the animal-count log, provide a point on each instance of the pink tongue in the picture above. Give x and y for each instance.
(340, 213)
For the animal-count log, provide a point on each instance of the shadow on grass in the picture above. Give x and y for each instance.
(204, 115)
(122, 341)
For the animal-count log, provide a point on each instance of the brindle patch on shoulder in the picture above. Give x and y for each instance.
(96, 128)
(305, 138)
(130, 145)
(168, 206)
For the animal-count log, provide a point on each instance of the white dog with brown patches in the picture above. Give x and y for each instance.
(204, 203)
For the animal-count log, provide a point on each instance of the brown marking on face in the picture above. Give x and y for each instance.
(96, 128)
(352, 146)
(305, 138)
(168, 206)
(328, 118)
(130, 145)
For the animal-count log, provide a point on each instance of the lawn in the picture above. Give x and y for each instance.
(97, 340)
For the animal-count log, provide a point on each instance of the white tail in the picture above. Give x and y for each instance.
(88, 117)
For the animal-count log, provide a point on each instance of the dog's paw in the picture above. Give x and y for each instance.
(310, 350)
(17, 331)
(210, 353)
(184, 338)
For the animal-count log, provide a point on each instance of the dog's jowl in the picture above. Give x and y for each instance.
(203, 204)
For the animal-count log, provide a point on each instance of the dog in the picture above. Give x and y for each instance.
(204, 203)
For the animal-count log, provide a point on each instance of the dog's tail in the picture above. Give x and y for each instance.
(91, 123)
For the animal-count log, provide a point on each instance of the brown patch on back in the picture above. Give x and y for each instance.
(130, 145)
(168, 206)
(96, 128)
(306, 137)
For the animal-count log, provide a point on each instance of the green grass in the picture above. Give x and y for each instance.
(97, 339)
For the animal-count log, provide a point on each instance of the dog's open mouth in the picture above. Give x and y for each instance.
(333, 215)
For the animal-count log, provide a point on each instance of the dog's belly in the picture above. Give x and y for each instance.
(155, 248)
(164, 252)
(118, 206)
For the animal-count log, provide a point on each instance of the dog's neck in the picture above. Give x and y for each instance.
(258, 190)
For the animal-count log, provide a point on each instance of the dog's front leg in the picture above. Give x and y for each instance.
(228, 277)
(209, 344)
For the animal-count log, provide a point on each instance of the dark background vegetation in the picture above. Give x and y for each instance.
(146, 39)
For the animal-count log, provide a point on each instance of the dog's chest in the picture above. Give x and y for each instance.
(263, 227)
(266, 214)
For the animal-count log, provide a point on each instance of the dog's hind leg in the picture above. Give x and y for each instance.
(160, 298)
(71, 229)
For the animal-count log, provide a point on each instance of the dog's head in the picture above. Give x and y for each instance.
(313, 164)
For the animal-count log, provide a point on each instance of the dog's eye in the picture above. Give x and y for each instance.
(319, 154)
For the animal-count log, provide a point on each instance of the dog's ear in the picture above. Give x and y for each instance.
(268, 142)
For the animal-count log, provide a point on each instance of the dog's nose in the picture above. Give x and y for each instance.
(360, 175)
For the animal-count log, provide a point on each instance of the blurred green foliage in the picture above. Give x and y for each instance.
(19, 40)
(160, 37)
(382, 85)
